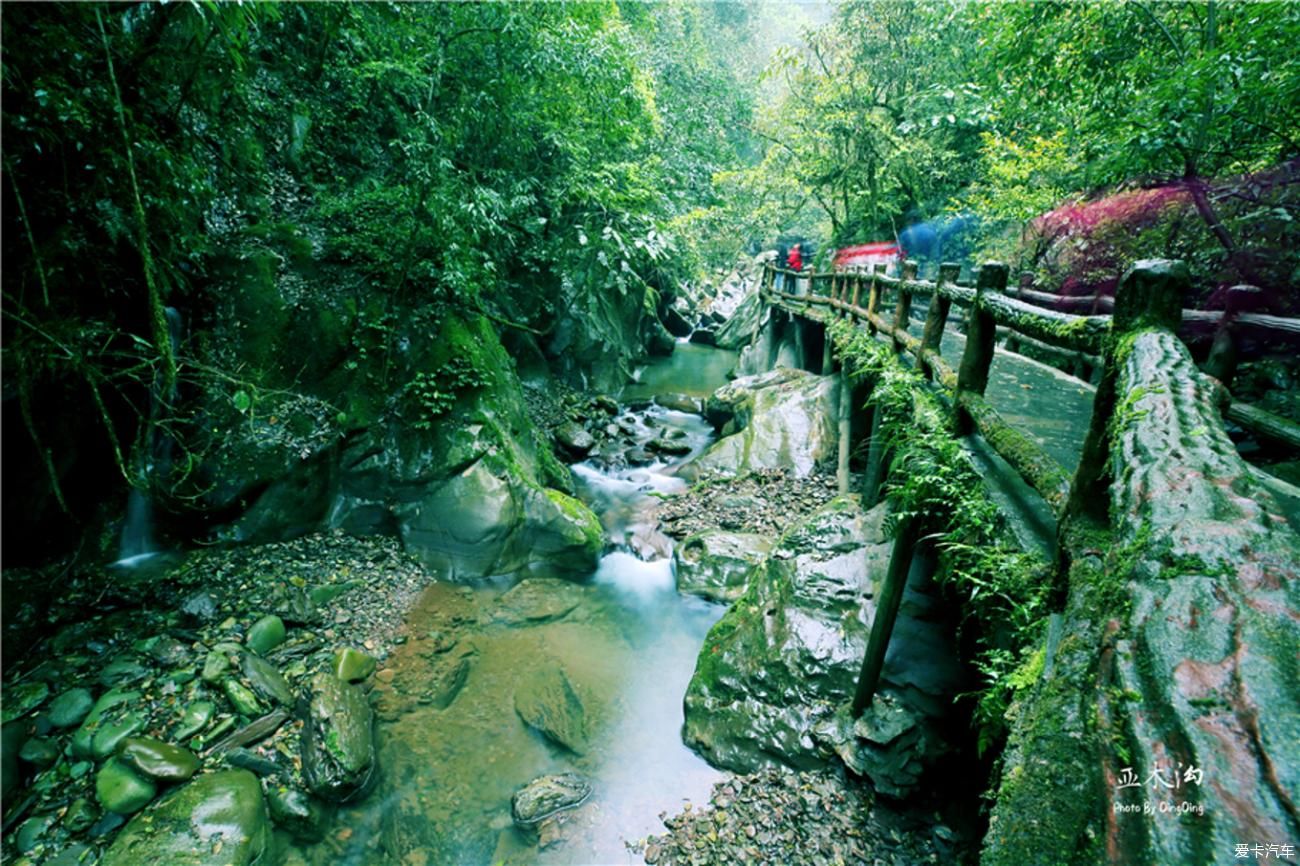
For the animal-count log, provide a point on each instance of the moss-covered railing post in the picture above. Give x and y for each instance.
(857, 290)
(937, 316)
(1150, 294)
(981, 336)
(874, 477)
(1222, 360)
(882, 625)
(903, 306)
(873, 302)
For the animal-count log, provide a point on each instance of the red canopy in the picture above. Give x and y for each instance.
(867, 254)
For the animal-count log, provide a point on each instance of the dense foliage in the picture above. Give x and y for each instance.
(897, 113)
(536, 163)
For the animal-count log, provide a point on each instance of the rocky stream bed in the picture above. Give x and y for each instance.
(285, 703)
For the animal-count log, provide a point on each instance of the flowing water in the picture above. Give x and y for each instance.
(453, 748)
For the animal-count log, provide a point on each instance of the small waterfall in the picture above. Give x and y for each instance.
(137, 543)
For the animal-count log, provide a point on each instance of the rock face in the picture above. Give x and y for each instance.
(782, 419)
(216, 820)
(740, 330)
(338, 747)
(551, 705)
(714, 564)
(546, 796)
(777, 671)
(464, 484)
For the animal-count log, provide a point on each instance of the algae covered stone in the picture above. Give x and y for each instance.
(338, 747)
(218, 819)
(266, 634)
(120, 789)
(352, 665)
(158, 760)
(71, 708)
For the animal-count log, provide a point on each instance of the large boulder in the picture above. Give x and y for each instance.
(715, 563)
(338, 746)
(218, 819)
(776, 673)
(469, 495)
(786, 420)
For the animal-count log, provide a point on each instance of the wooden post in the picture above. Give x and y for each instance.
(874, 478)
(903, 306)
(873, 302)
(1150, 295)
(857, 290)
(882, 625)
(937, 317)
(1222, 360)
(981, 335)
(828, 353)
(845, 432)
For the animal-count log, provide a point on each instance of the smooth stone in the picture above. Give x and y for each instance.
(218, 819)
(297, 812)
(70, 708)
(243, 700)
(158, 760)
(111, 734)
(122, 671)
(247, 759)
(266, 634)
(76, 855)
(39, 752)
(121, 790)
(266, 679)
(23, 698)
(338, 747)
(215, 666)
(30, 832)
(546, 796)
(81, 815)
(352, 665)
(194, 719)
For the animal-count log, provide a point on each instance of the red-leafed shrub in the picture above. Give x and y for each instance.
(1240, 230)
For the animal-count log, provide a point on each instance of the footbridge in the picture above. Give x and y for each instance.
(1171, 640)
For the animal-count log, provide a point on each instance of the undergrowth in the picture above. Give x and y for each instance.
(1006, 591)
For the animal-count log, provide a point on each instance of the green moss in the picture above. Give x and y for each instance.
(582, 517)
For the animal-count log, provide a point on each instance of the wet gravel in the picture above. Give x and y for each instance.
(153, 632)
(765, 502)
(781, 816)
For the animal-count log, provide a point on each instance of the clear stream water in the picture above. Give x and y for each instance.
(628, 644)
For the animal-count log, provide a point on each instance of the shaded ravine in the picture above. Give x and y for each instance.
(454, 748)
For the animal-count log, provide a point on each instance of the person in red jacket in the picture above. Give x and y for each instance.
(794, 261)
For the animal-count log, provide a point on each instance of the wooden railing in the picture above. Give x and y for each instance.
(1148, 302)
(1072, 342)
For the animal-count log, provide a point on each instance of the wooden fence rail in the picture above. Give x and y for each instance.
(1075, 342)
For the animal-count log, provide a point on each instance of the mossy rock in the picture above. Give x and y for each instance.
(218, 819)
(338, 747)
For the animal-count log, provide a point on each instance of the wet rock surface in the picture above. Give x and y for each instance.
(714, 564)
(780, 816)
(216, 820)
(546, 797)
(105, 751)
(338, 752)
(766, 502)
